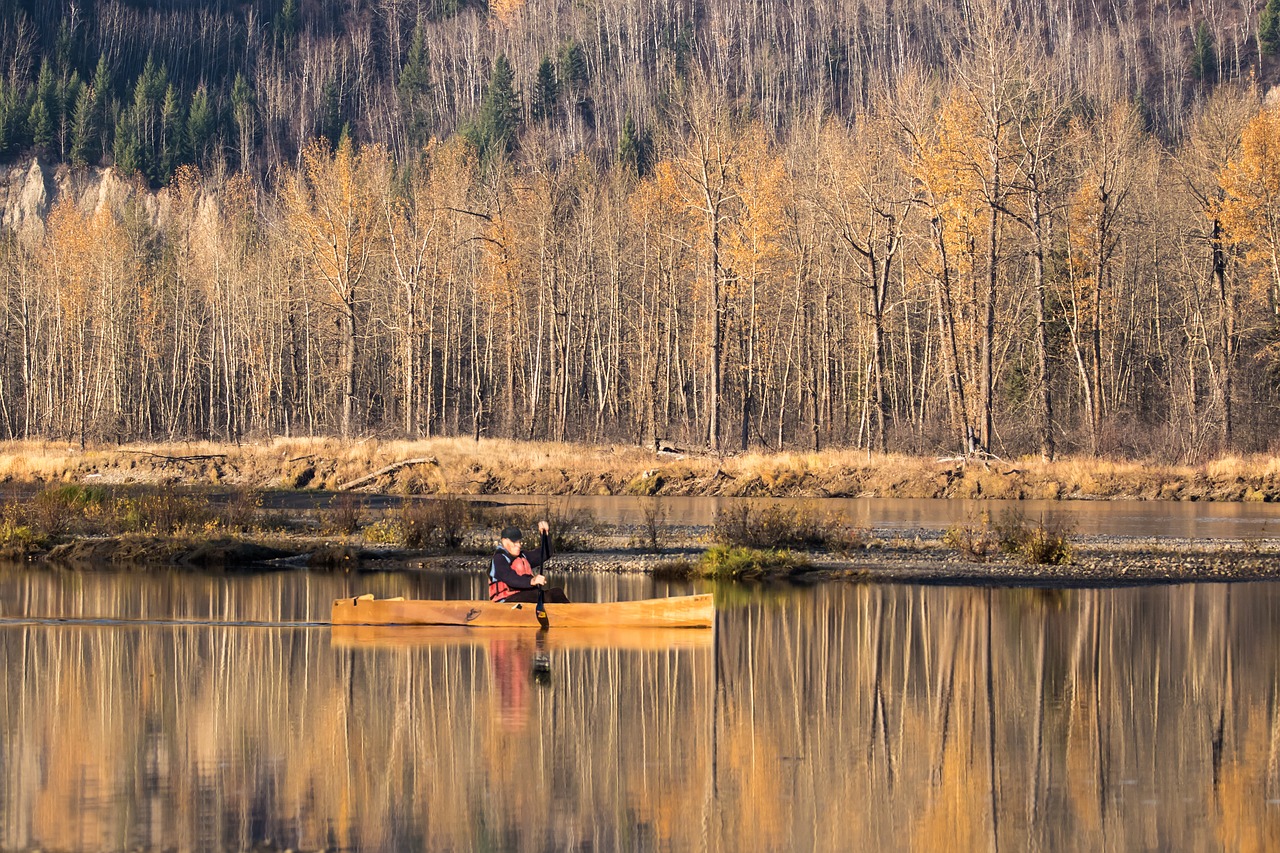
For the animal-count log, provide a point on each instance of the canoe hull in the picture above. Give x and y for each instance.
(452, 636)
(688, 611)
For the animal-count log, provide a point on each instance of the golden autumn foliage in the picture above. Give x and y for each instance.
(925, 274)
(1250, 206)
(333, 204)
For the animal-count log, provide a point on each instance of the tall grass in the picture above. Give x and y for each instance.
(1046, 542)
(498, 466)
(754, 524)
(57, 512)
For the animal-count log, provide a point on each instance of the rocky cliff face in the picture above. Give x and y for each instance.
(29, 190)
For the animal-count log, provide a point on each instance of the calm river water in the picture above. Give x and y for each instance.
(189, 712)
(1118, 518)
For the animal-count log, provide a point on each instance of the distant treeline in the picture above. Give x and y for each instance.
(1001, 226)
(149, 85)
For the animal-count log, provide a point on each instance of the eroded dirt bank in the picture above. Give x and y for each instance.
(463, 466)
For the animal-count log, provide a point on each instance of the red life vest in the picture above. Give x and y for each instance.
(499, 590)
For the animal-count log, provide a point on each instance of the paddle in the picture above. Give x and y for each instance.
(542, 660)
(541, 610)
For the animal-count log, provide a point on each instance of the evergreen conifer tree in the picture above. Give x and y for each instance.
(172, 152)
(414, 90)
(573, 65)
(127, 148)
(4, 118)
(43, 118)
(244, 112)
(633, 148)
(286, 25)
(494, 129)
(331, 120)
(101, 107)
(1204, 55)
(84, 128)
(200, 126)
(1269, 27)
(40, 123)
(546, 90)
(69, 89)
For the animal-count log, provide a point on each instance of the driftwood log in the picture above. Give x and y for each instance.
(198, 458)
(393, 467)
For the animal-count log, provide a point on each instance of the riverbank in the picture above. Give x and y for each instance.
(883, 556)
(498, 467)
(361, 506)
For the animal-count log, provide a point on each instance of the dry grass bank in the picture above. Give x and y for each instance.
(493, 466)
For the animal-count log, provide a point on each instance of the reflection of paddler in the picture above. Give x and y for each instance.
(510, 660)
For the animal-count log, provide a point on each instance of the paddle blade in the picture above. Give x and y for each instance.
(541, 611)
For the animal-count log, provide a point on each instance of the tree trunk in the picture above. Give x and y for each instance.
(717, 340)
(347, 366)
(1042, 340)
(956, 403)
(410, 366)
(1226, 312)
(989, 329)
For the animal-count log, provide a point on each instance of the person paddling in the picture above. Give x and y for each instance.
(511, 576)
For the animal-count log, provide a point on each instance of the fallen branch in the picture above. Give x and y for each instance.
(197, 458)
(394, 466)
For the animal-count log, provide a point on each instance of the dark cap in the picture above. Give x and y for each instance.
(512, 533)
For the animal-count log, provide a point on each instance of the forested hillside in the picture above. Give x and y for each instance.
(152, 84)
(1012, 226)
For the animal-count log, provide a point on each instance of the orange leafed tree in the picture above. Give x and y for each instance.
(756, 254)
(944, 166)
(334, 214)
(422, 231)
(85, 264)
(1250, 206)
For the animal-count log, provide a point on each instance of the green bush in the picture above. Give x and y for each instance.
(16, 535)
(738, 563)
(1044, 543)
(674, 570)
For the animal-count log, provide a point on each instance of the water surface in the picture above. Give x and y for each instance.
(1112, 518)
(839, 717)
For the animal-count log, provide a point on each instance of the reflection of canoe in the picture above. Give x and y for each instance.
(687, 611)
(420, 636)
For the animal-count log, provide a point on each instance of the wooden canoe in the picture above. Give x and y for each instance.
(579, 639)
(687, 611)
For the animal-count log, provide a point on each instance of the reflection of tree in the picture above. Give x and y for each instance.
(919, 718)
(219, 737)
(848, 717)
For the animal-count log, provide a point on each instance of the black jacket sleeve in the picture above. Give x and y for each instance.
(541, 554)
